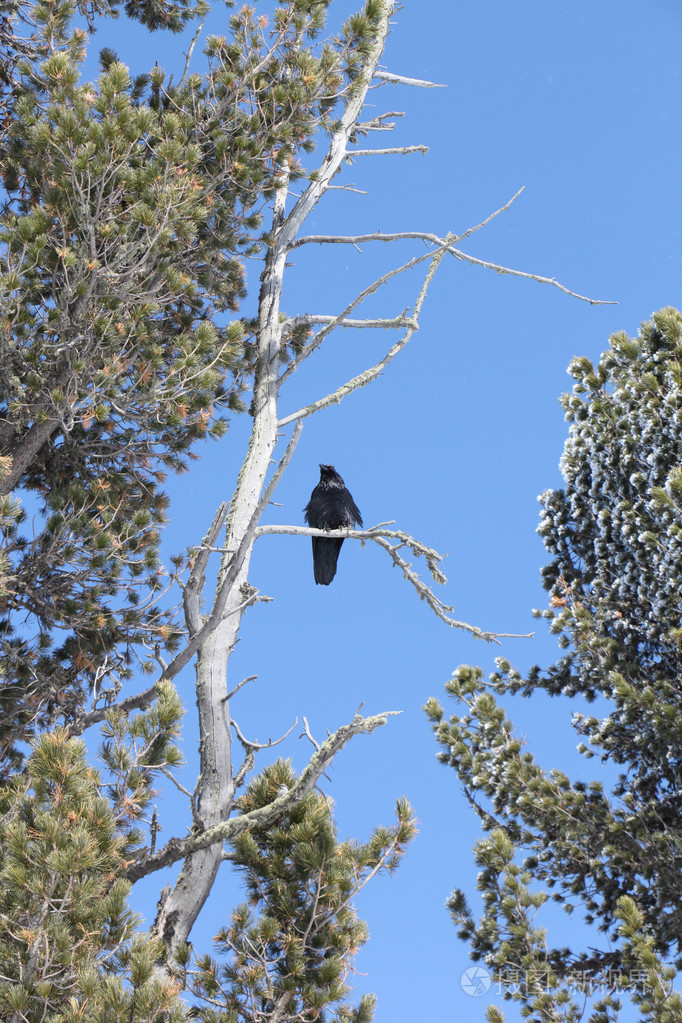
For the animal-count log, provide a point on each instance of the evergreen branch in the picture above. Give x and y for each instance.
(392, 849)
(178, 848)
(313, 912)
(489, 822)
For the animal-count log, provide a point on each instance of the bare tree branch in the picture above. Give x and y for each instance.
(197, 577)
(337, 322)
(379, 236)
(395, 150)
(381, 536)
(373, 236)
(309, 734)
(171, 777)
(378, 123)
(244, 681)
(141, 701)
(235, 564)
(466, 258)
(249, 745)
(396, 321)
(347, 188)
(496, 213)
(374, 371)
(190, 51)
(389, 76)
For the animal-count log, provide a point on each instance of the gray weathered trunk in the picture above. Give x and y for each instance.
(214, 795)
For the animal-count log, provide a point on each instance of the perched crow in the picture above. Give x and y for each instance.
(330, 507)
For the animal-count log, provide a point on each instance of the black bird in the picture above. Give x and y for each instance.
(330, 507)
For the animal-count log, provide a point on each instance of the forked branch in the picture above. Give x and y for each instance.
(448, 246)
(373, 372)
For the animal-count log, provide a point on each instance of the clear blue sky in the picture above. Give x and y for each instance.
(580, 103)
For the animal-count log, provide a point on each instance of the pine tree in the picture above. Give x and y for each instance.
(130, 206)
(292, 959)
(615, 535)
(69, 946)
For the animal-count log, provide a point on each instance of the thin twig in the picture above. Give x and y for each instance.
(484, 223)
(466, 258)
(179, 787)
(244, 681)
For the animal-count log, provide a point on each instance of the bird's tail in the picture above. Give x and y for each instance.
(325, 556)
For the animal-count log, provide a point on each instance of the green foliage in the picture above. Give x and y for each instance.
(290, 948)
(615, 534)
(653, 994)
(131, 205)
(68, 949)
(135, 749)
